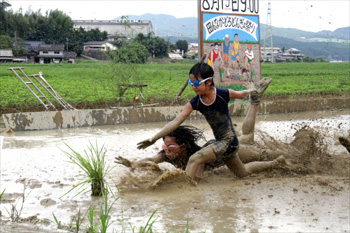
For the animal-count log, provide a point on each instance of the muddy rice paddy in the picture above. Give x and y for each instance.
(311, 194)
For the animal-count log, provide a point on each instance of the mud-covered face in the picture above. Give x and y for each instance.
(172, 149)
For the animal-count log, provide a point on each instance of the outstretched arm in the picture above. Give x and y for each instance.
(241, 94)
(168, 128)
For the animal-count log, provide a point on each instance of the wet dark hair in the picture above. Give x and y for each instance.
(187, 135)
(236, 34)
(203, 70)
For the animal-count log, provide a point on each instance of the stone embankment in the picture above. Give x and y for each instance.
(125, 115)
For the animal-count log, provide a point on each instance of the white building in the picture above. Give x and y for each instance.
(54, 53)
(279, 55)
(99, 45)
(193, 47)
(6, 55)
(266, 53)
(116, 27)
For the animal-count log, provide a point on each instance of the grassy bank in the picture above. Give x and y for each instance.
(88, 84)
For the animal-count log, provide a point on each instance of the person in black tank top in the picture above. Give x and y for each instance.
(213, 104)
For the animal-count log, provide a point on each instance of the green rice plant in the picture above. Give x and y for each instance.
(15, 212)
(148, 227)
(94, 167)
(58, 223)
(93, 226)
(104, 213)
(76, 221)
(2, 193)
(74, 225)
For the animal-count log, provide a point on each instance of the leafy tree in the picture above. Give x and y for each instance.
(59, 27)
(172, 47)
(5, 42)
(130, 53)
(3, 17)
(182, 45)
(155, 45)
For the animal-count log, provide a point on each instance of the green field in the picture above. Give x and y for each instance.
(88, 84)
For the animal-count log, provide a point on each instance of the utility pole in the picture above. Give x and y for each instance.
(268, 35)
(67, 44)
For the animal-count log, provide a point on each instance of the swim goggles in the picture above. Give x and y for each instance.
(197, 83)
(170, 147)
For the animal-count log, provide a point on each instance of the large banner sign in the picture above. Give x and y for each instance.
(230, 37)
(217, 25)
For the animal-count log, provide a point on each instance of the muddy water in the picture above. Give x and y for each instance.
(312, 196)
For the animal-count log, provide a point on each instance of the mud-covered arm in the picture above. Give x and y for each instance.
(133, 164)
(167, 128)
(155, 159)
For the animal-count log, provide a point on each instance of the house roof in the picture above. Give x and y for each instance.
(95, 42)
(6, 53)
(51, 47)
(32, 45)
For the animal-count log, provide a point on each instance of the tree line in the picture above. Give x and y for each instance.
(56, 27)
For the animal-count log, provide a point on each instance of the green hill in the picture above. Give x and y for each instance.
(326, 50)
(327, 44)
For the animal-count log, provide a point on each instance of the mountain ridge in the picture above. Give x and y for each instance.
(328, 44)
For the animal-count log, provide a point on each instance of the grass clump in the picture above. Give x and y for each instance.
(94, 167)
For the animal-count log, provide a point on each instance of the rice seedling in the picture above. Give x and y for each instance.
(94, 167)
(148, 227)
(78, 221)
(74, 225)
(104, 213)
(93, 226)
(58, 223)
(15, 212)
(2, 193)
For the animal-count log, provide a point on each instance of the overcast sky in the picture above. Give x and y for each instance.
(301, 14)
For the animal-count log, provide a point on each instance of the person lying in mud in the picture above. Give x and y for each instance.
(181, 143)
(213, 104)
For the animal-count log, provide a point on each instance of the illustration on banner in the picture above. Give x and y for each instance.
(232, 45)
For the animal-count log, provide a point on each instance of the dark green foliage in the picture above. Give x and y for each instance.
(155, 45)
(55, 27)
(182, 45)
(130, 53)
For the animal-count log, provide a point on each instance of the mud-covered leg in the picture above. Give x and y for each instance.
(255, 167)
(205, 155)
(242, 170)
(236, 166)
(249, 125)
(249, 120)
